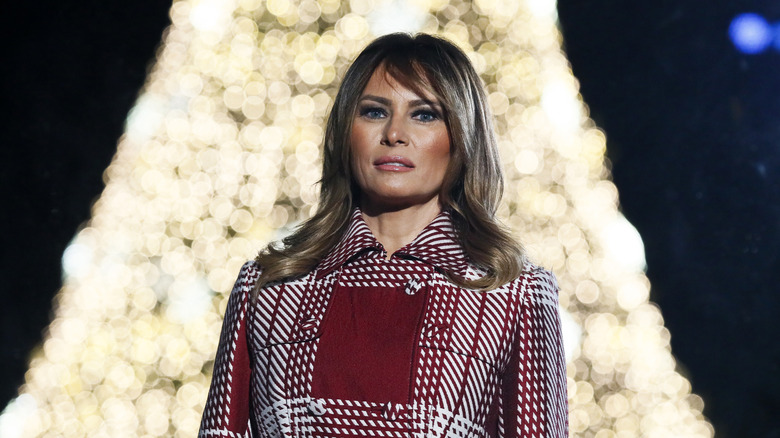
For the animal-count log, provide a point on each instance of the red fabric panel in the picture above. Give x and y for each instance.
(241, 373)
(367, 346)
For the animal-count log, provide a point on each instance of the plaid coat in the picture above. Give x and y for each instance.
(366, 346)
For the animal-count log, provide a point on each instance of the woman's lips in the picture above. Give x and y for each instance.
(394, 164)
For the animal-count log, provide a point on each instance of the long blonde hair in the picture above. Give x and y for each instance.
(473, 184)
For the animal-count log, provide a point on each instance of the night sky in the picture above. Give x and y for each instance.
(693, 137)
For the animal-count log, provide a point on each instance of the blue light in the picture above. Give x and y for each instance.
(751, 33)
(776, 38)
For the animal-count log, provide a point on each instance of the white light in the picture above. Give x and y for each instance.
(145, 118)
(212, 15)
(189, 300)
(16, 415)
(624, 245)
(559, 101)
(572, 334)
(76, 260)
(543, 8)
(396, 16)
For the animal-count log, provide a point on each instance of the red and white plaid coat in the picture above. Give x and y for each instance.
(365, 346)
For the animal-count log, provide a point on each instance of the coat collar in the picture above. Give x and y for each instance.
(437, 244)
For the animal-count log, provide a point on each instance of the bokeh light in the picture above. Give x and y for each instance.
(221, 155)
(751, 33)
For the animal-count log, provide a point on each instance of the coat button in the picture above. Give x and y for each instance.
(316, 408)
(307, 323)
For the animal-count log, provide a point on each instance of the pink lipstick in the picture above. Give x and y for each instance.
(394, 163)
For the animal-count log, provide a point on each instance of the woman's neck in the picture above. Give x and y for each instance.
(396, 228)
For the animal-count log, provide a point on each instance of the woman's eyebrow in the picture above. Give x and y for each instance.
(425, 102)
(413, 103)
(382, 100)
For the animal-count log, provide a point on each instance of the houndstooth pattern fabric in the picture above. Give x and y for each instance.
(403, 352)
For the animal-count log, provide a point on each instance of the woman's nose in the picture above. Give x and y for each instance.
(395, 132)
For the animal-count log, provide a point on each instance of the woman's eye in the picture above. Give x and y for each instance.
(425, 116)
(372, 113)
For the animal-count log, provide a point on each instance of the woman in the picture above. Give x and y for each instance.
(402, 307)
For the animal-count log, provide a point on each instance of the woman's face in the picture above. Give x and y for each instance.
(400, 145)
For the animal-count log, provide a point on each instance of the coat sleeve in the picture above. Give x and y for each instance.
(226, 413)
(533, 400)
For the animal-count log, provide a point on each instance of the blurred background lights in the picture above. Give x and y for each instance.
(572, 334)
(543, 8)
(776, 36)
(189, 301)
(211, 15)
(751, 33)
(19, 411)
(221, 155)
(145, 117)
(397, 16)
(76, 260)
(623, 242)
(560, 103)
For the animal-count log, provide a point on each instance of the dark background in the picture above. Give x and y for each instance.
(693, 132)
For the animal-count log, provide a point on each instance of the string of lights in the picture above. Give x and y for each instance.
(221, 155)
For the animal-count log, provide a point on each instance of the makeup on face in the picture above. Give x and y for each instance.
(400, 144)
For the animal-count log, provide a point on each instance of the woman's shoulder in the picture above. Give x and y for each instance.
(531, 274)
(250, 270)
(537, 284)
(247, 277)
(535, 272)
(534, 279)
(251, 266)
(250, 274)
